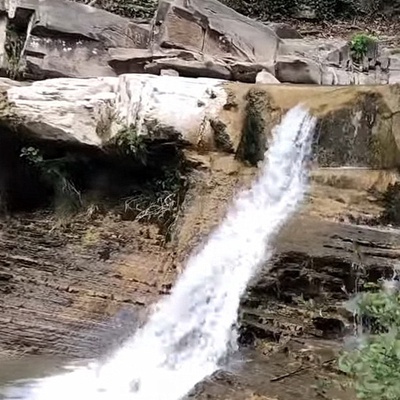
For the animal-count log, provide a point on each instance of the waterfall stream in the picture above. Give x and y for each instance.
(190, 331)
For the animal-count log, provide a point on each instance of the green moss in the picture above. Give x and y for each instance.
(222, 139)
(391, 204)
(374, 364)
(253, 141)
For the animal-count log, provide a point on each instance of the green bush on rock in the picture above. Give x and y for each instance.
(359, 46)
(130, 143)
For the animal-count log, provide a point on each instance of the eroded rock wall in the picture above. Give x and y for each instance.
(78, 275)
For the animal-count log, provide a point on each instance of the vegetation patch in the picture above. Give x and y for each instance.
(158, 200)
(374, 363)
(130, 179)
(318, 10)
(360, 44)
(129, 143)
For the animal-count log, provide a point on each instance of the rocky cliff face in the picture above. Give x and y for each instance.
(110, 175)
(191, 39)
(94, 270)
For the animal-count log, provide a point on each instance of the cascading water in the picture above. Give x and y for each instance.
(189, 332)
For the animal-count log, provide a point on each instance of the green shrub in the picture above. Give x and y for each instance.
(130, 143)
(359, 46)
(374, 365)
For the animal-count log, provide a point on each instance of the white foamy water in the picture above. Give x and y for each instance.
(190, 332)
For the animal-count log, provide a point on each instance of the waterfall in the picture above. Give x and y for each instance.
(190, 331)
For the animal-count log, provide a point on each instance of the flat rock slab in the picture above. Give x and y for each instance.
(91, 111)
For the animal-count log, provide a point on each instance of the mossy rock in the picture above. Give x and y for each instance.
(357, 135)
(253, 141)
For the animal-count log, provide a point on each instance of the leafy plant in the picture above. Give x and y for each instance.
(131, 144)
(359, 46)
(374, 365)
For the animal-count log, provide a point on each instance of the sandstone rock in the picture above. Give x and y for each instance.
(59, 57)
(394, 62)
(88, 111)
(64, 110)
(394, 77)
(84, 22)
(169, 72)
(6, 83)
(340, 56)
(266, 78)
(298, 70)
(209, 114)
(383, 61)
(67, 39)
(4, 65)
(171, 108)
(214, 29)
(326, 51)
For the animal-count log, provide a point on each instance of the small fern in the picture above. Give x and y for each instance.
(131, 144)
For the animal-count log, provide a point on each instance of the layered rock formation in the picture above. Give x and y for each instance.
(361, 121)
(94, 274)
(152, 162)
(193, 38)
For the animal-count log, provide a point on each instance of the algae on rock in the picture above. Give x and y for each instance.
(253, 141)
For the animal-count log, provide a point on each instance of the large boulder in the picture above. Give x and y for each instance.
(63, 110)
(93, 111)
(68, 39)
(196, 38)
(209, 27)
